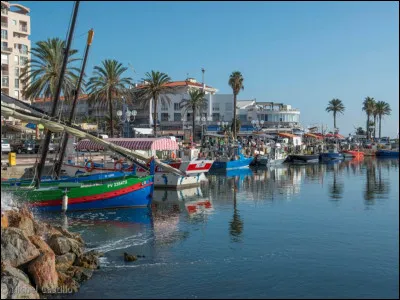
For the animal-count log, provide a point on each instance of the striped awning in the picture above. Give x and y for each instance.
(132, 144)
(287, 135)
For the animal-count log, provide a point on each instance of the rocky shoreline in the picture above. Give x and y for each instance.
(38, 259)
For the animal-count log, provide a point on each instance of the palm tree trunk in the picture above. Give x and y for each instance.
(380, 123)
(194, 122)
(234, 116)
(111, 114)
(155, 99)
(374, 126)
(334, 120)
(367, 127)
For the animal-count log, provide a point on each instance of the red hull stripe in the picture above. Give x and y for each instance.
(193, 167)
(96, 197)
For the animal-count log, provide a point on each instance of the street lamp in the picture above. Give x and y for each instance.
(258, 125)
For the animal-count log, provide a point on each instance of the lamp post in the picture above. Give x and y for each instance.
(125, 118)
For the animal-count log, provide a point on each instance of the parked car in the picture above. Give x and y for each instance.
(5, 146)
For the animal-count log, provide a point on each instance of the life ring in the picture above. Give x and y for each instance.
(173, 155)
(89, 168)
(118, 165)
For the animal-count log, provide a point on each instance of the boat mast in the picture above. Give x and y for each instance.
(46, 142)
(72, 112)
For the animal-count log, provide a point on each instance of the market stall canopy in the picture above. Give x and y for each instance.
(313, 136)
(18, 128)
(132, 144)
(287, 135)
(215, 135)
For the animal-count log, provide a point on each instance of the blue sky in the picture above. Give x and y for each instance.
(298, 53)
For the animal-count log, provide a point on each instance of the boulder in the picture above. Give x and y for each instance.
(65, 261)
(67, 283)
(43, 272)
(88, 260)
(15, 288)
(22, 221)
(75, 236)
(129, 257)
(79, 274)
(62, 245)
(16, 249)
(40, 244)
(4, 220)
(7, 270)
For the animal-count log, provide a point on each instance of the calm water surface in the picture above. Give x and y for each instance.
(328, 231)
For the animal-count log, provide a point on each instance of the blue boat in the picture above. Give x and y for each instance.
(332, 154)
(387, 153)
(234, 161)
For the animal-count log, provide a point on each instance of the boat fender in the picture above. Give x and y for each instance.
(64, 203)
(89, 166)
(118, 165)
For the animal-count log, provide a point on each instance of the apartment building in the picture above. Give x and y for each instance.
(15, 44)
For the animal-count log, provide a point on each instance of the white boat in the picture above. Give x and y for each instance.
(185, 160)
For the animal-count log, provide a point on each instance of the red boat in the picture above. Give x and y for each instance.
(353, 153)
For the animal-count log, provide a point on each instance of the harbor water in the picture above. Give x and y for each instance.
(311, 231)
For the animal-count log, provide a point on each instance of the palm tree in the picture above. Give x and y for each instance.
(195, 103)
(335, 106)
(40, 76)
(368, 107)
(236, 83)
(382, 109)
(156, 89)
(236, 225)
(108, 84)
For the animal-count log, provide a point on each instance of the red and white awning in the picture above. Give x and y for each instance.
(132, 144)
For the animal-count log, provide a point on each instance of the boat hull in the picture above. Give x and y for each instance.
(131, 191)
(229, 165)
(303, 159)
(387, 153)
(331, 156)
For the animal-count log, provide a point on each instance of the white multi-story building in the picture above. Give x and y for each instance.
(15, 46)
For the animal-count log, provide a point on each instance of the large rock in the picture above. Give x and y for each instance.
(79, 274)
(7, 270)
(40, 244)
(22, 221)
(45, 230)
(65, 261)
(88, 260)
(15, 288)
(16, 249)
(67, 283)
(43, 272)
(62, 245)
(4, 220)
(75, 236)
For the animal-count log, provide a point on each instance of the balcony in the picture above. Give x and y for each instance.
(4, 11)
(4, 73)
(4, 25)
(5, 82)
(23, 28)
(6, 49)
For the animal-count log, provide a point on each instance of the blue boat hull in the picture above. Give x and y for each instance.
(229, 165)
(331, 156)
(138, 198)
(387, 153)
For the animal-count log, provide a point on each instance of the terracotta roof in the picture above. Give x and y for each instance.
(182, 83)
(62, 98)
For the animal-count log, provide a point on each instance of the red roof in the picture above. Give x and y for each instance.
(181, 83)
(132, 144)
(62, 98)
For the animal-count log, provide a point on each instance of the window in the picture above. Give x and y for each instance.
(16, 59)
(177, 106)
(177, 117)
(228, 106)
(24, 61)
(24, 49)
(16, 72)
(4, 34)
(4, 81)
(189, 117)
(4, 59)
(164, 117)
(215, 117)
(164, 107)
(14, 22)
(16, 83)
(216, 107)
